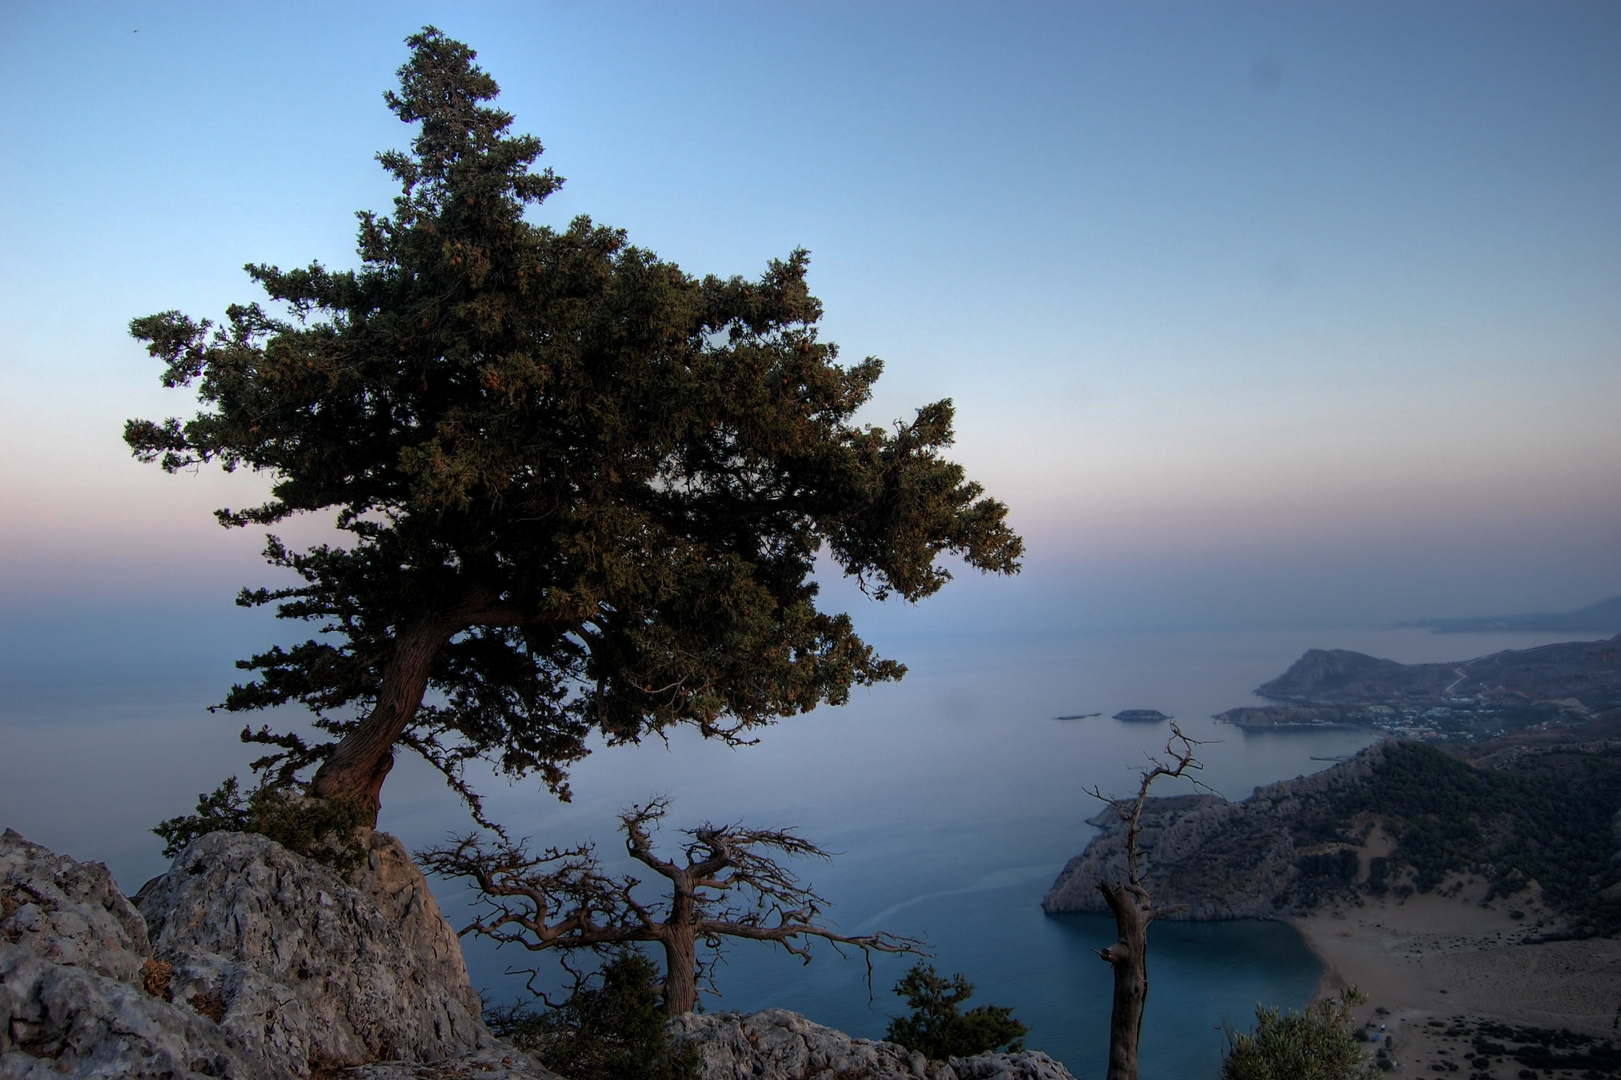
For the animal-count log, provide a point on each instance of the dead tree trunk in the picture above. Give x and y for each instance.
(1129, 958)
(1133, 908)
(680, 972)
(679, 937)
(727, 883)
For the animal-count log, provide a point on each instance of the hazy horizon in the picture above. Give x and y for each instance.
(1260, 317)
(1252, 313)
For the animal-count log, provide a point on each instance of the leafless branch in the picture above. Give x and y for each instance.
(1179, 763)
(726, 882)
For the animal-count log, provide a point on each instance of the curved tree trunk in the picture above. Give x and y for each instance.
(1129, 958)
(361, 761)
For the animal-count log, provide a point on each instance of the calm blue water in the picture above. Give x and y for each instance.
(953, 800)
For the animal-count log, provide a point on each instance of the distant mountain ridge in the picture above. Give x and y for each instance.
(1604, 616)
(1588, 671)
(1513, 690)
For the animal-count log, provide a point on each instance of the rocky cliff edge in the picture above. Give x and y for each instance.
(243, 961)
(249, 962)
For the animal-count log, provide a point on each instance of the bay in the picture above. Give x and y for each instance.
(956, 797)
(952, 799)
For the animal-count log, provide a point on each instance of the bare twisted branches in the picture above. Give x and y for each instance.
(727, 881)
(1178, 763)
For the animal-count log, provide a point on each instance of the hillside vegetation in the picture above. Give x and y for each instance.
(1547, 813)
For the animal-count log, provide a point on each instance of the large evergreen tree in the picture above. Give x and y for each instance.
(582, 488)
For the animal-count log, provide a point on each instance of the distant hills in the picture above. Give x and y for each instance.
(1604, 616)
(1548, 686)
(1587, 671)
(1542, 814)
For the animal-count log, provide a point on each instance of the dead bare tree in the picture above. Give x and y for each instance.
(1133, 909)
(727, 882)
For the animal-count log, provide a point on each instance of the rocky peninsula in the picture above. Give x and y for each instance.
(1470, 889)
(1515, 690)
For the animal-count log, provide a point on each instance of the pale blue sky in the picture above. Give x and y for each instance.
(1251, 312)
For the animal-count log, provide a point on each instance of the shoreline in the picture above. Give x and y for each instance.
(1436, 963)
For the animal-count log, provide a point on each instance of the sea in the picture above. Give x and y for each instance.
(949, 803)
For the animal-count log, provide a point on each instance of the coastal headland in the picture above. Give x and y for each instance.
(1505, 692)
(1472, 888)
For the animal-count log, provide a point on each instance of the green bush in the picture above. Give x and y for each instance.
(937, 1030)
(614, 1031)
(319, 829)
(1317, 1044)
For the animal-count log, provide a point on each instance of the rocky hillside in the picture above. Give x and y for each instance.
(776, 1044)
(249, 962)
(1587, 671)
(1223, 860)
(1399, 817)
(1490, 696)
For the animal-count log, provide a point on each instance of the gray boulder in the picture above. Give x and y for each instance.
(776, 1044)
(243, 961)
(80, 993)
(308, 967)
(68, 912)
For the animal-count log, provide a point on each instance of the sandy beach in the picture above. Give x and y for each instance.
(1436, 966)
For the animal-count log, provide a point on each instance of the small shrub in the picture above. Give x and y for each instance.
(210, 1005)
(614, 1031)
(156, 975)
(319, 829)
(937, 1030)
(1313, 1045)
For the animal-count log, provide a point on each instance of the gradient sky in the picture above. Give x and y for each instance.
(1252, 313)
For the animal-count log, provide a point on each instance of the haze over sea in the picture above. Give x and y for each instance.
(1272, 324)
(953, 799)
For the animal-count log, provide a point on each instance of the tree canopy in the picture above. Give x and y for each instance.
(582, 489)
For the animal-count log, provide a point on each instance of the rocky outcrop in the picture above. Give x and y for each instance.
(68, 912)
(249, 962)
(309, 967)
(244, 961)
(776, 1044)
(1340, 676)
(1222, 860)
(80, 992)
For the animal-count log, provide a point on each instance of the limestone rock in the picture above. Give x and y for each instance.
(80, 994)
(243, 961)
(776, 1044)
(306, 967)
(68, 912)
(508, 1065)
(65, 1020)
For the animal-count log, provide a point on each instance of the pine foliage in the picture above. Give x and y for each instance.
(613, 1031)
(938, 1029)
(581, 489)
